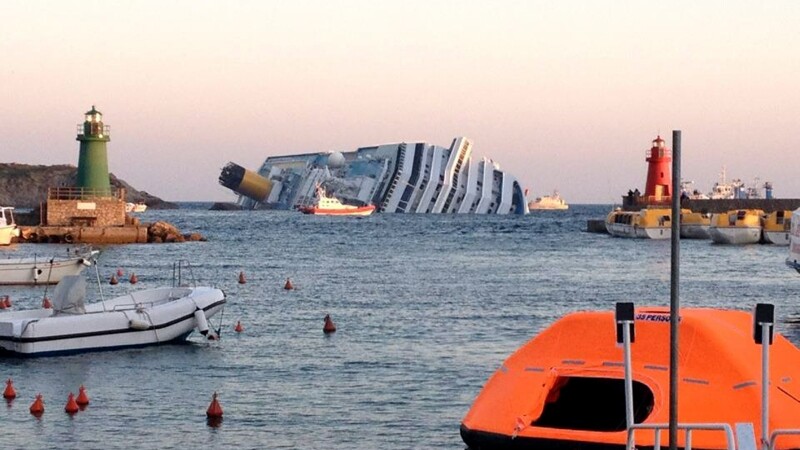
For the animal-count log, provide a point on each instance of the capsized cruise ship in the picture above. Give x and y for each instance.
(414, 177)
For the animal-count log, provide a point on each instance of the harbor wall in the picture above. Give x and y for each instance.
(132, 234)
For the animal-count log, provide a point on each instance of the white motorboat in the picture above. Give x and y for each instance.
(141, 318)
(37, 270)
(8, 228)
(548, 202)
(135, 207)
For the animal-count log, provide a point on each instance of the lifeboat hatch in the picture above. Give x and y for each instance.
(593, 404)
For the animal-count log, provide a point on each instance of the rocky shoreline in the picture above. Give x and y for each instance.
(25, 186)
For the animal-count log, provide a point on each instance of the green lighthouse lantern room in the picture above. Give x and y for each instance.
(93, 159)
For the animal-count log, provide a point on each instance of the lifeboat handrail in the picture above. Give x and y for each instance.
(730, 443)
(776, 433)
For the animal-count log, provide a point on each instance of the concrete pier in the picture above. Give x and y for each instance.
(133, 234)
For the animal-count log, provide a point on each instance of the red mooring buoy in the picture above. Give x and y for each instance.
(119, 272)
(3, 302)
(10, 393)
(37, 407)
(288, 286)
(238, 328)
(214, 410)
(82, 399)
(329, 326)
(113, 280)
(242, 279)
(8, 301)
(46, 303)
(71, 406)
(133, 279)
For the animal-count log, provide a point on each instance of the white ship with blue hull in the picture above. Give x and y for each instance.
(397, 178)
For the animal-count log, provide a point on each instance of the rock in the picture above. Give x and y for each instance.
(223, 206)
(194, 237)
(166, 232)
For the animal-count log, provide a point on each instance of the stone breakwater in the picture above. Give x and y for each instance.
(158, 232)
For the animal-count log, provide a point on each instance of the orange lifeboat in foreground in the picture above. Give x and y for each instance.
(565, 387)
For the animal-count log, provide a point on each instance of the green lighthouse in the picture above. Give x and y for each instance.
(93, 159)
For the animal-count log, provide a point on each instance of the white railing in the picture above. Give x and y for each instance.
(730, 443)
(773, 437)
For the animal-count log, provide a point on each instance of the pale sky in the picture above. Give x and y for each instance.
(562, 94)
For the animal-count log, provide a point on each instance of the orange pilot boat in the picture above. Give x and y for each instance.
(326, 205)
(565, 389)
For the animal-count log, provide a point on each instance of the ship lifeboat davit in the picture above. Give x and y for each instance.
(565, 387)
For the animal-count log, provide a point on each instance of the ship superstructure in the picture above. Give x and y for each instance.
(396, 178)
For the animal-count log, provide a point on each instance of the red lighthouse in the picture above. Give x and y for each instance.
(659, 172)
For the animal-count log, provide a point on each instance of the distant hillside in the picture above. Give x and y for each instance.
(25, 186)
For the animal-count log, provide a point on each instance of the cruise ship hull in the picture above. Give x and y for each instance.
(395, 178)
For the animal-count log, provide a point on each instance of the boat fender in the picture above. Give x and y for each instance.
(68, 238)
(200, 320)
(137, 324)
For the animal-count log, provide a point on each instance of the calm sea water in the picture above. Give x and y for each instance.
(426, 306)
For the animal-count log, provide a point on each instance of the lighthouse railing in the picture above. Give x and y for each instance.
(82, 193)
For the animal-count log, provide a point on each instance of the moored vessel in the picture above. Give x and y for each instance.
(648, 223)
(135, 207)
(776, 227)
(695, 225)
(8, 227)
(549, 202)
(793, 260)
(742, 226)
(36, 270)
(137, 319)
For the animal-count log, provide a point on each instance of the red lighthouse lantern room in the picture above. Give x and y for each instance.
(659, 172)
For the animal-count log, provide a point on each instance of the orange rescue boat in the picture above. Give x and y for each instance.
(565, 387)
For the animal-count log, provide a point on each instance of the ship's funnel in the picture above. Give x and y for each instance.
(245, 182)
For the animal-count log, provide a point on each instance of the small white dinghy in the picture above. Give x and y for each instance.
(36, 270)
(137, 319)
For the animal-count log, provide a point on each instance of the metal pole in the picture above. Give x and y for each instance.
(674, 294)
(765, 385)
(626, 348)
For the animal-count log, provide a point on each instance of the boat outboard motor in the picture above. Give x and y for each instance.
(200, 320)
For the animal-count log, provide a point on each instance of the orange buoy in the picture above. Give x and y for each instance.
(329, 326)
(288, 286)
(113, 280)
(37, 407)
(10, 393)
(214, 409)
(3, 303)
(242, 280)
(119, 272)
(82, 399)
(238, 328)
(72, 406)
(46, 303)
(133, 279)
